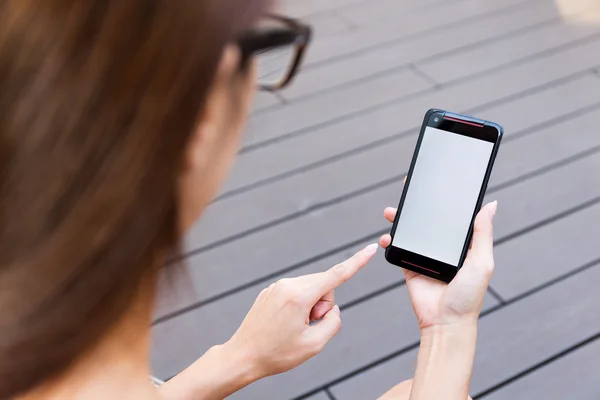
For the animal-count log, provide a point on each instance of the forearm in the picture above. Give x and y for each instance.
(445, 363)
(219, 373)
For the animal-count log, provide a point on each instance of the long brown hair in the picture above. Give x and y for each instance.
(98, 100)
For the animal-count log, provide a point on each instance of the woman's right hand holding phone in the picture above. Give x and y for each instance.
(448, 314)
(438, 304)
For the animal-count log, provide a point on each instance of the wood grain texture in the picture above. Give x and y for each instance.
(570, 377)
(511, 340)
(322, 160)
(230, 216)
(348, 221)
(395, 120)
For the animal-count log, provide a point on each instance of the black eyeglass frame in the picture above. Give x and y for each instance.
(295, 33)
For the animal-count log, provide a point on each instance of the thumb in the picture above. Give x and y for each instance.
(482, 246)
(322, 332)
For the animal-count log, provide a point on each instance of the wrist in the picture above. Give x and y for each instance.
(449, 335)
(445, 361)
(220, 372)
(240, 360)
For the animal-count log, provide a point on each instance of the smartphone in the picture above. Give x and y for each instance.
(444, 190)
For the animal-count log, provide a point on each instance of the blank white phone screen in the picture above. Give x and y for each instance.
(442, 195)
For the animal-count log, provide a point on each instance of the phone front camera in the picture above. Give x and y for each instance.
(436, 119)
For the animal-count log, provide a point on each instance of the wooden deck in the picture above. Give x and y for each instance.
(320, 162)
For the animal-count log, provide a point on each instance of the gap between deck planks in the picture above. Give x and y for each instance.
(506, 171)
(394, 121)
(357, 217)
(502, 182)
(564, 376)
(404, 25)
(511, 339)
(188, 327)
(342, 19)
(320, 396)
(518, 218)
(393, 311)
(282, 201)
(572, 163)
(486, 30)
(303, 117)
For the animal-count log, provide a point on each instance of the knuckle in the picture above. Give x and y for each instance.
(483, 261)
(282, 286)
(488, 265)
(315, 345)
(295, 299)
(288, 291)
(282, 283)
(485, 269)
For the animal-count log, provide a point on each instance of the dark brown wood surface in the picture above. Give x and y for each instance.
(322, 159)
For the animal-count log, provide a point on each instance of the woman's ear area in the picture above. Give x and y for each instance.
(210, 122)
(214, 143)
(229, 65)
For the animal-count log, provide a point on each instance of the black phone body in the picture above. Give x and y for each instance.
(444, 191)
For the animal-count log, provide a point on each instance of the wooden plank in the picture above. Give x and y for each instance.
(411, 23)
(295, 242)
(385, 123)
(319, 396)
(310, 8)
(304, 8)
(207, 326)
(327, 108)
(514, 216)
(179, 292)
(478, 60)
(231, 216)
(532, 208)
(360, 339)
(215, 329)
(510, 340)
(363, 14)
(552, 251)
(341, 103)
(336, 104)
(353, 346)
(451, 40)
(570, 377)
(328, 24)
(265, 100)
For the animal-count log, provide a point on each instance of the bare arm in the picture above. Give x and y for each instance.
(221, 372)
(445, 363)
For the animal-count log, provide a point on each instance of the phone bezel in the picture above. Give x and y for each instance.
(461, 125)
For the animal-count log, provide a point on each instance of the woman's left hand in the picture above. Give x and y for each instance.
(277, 334)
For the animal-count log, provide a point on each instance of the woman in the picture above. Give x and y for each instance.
(118, 123)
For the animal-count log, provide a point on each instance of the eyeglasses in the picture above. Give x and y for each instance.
(278, 44)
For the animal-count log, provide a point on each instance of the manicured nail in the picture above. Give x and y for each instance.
(494, 208)
(371, 249)
(336, 309)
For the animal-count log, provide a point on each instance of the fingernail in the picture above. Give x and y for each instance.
(371, 249)
(336, 309)
(494, 208)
